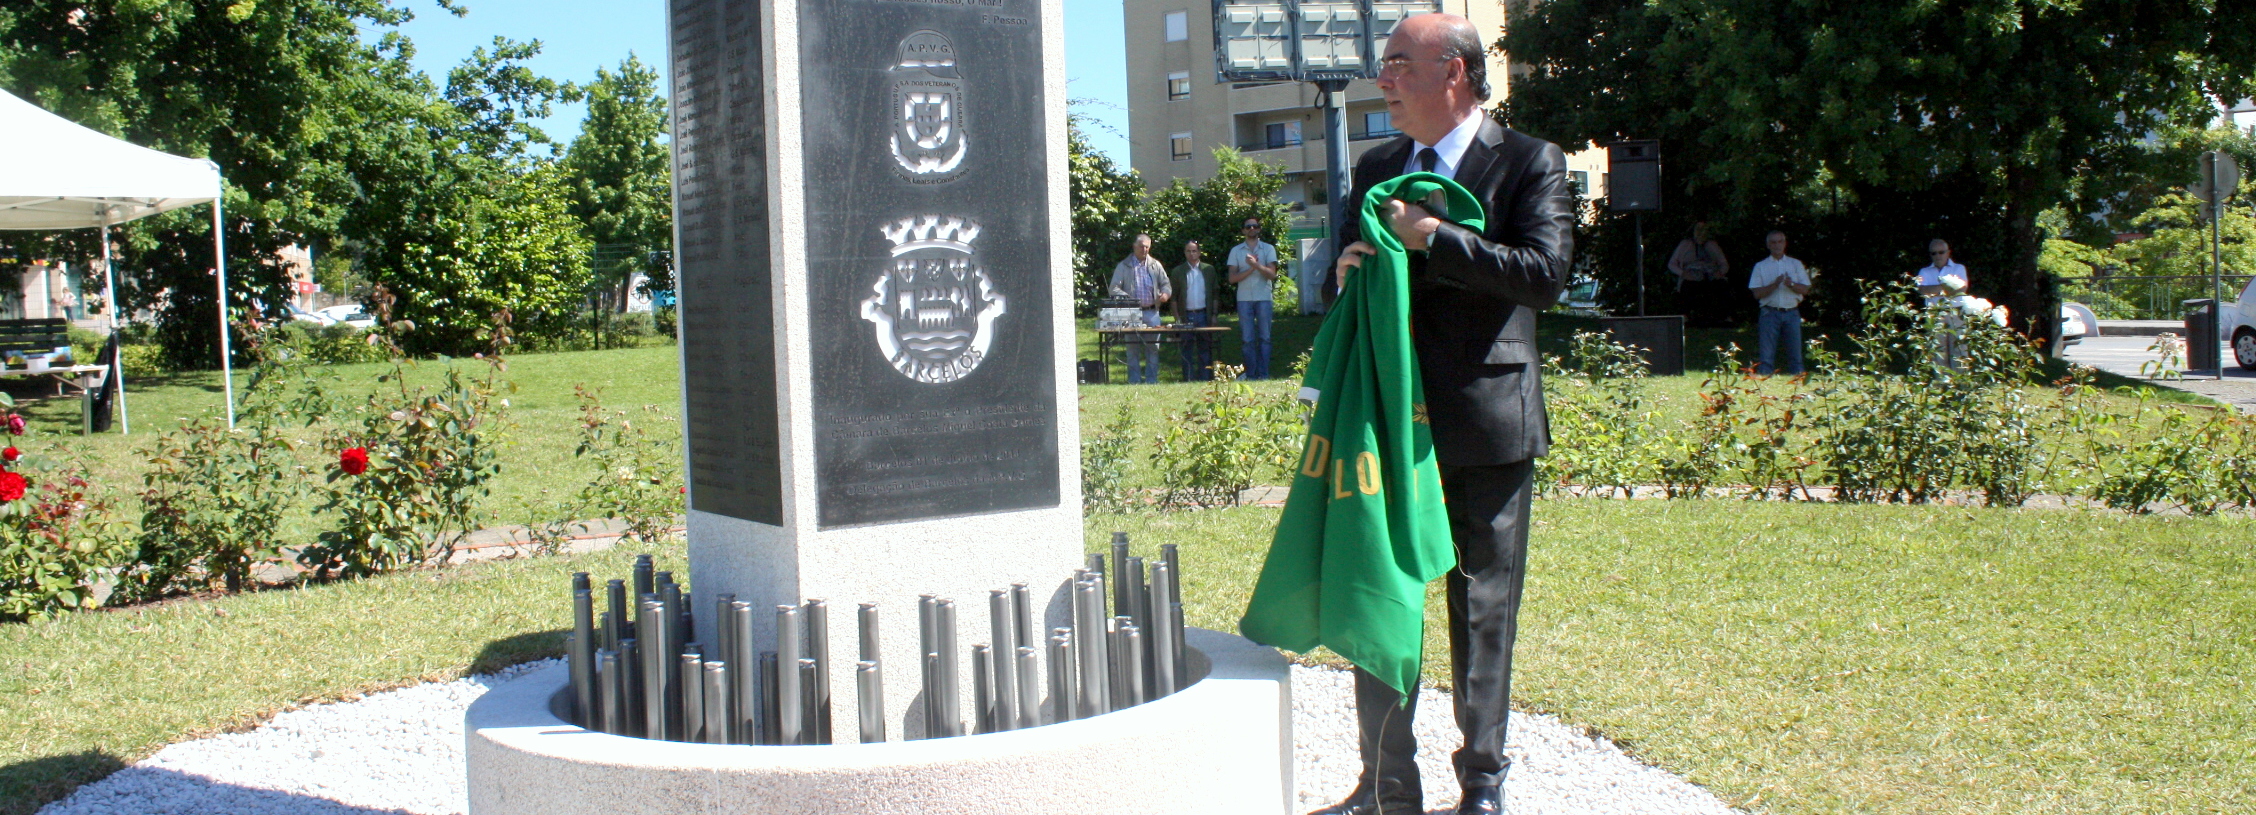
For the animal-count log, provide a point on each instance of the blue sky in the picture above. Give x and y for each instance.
(578, 36)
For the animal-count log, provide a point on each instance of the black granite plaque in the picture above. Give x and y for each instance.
(928, 257)
(721, 260)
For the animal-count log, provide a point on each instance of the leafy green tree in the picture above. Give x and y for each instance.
(1104, 199)
(1874, 126)
(619, 172)
(1214, 212)
(263, 89)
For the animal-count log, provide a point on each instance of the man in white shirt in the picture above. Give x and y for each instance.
(1140, 276)
(1253, 269)
(1945, 276)
(1779, 283)
(1194, 307)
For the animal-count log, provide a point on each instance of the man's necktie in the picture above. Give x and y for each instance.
(1428, 159)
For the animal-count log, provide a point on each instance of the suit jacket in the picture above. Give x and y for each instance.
(1180, 299)
(1474, 296)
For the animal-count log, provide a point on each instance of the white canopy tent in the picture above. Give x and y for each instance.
(55, 174)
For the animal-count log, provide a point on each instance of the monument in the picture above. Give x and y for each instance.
(872, 256)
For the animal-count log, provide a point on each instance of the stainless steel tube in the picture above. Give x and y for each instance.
(1133, 640)
(951, 675)
(808, 714)
(1022, 610)
(1090, 649)
(790, 727)
(930, 666)
(580, 648)
(865, 617)
(720, 703)
(869, 710)
(817, 615)
(1062, 686)
(1158, 639)
(1028, 668)
(645, 581)
(744, 676)
(692, 712)
(630, 688)
(928, 637)
(1168, 554)
(615, 593)
(771, 708)
(1121, 602)
(1116, 637)
(1175, 637)
(580, 581)
(650, 639)
(1004, 641)
(982, 689)
(613, 679)
(1096, 563)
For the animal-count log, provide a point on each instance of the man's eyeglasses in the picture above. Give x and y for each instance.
(1253, 226)
(1397, 66)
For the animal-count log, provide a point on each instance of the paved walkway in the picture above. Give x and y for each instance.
(2124, 355)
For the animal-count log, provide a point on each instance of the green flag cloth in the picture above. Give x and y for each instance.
(1364, 528)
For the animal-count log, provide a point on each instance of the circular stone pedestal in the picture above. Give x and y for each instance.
(1222, 745)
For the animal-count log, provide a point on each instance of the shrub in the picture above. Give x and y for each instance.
(412, 472)
(338, 344)
(1225, 440)
(637, 480)
(1104, 466)
(59, 542)
(1596, 399)
(213, 499)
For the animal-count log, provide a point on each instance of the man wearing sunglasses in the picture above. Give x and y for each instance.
(1253, 269)
(1942, 275)
(1473, 301)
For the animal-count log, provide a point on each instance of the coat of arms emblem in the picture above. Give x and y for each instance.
(928, 111)
(934, 308)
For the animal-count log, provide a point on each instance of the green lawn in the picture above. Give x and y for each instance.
(1794, 658)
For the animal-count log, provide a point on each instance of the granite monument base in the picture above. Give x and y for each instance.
(1221, 745)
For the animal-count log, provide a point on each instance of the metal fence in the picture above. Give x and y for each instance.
(2145, 297)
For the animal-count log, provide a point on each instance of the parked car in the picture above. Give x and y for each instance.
(350, 314)
(2236, 324)
(2076, 323)
(304, 316)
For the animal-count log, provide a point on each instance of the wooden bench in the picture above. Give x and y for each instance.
(34, 336)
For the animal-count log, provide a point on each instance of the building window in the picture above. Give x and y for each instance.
(1579, 181)
(1178, 86)
(1179, 147)
(1282, 134)
(1378, 125)
(1178, 25)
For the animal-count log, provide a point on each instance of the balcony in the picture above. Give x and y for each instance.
(1373, 134)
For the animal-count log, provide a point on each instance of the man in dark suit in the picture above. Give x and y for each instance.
(1473, 301)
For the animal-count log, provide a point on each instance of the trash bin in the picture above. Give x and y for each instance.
(2201, 335)
(1661, 339)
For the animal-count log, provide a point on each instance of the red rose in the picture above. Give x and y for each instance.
(15, 424)
(12, 486)
(11, 454)
(353, 461)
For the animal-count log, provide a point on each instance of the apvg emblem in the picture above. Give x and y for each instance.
(935, 308)
(928, 111)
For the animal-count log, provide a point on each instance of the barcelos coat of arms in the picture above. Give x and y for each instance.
(929, 140)
(935, 307)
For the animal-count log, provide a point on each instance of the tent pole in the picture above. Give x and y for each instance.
(226, 350)
(109, 301)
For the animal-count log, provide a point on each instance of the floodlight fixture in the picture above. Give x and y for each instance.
(1328, 42)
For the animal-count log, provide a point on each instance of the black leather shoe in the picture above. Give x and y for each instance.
(1483, 800)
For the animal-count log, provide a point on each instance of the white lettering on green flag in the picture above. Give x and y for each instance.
(1364, 528)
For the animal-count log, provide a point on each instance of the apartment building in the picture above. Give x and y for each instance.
(1178, 113)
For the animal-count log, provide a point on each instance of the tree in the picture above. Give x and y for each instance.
(1881, 124)
(1214, 212)
(262, 89)
(1104, 200)
(619, 172)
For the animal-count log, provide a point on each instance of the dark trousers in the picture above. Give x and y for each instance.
(1488, 520)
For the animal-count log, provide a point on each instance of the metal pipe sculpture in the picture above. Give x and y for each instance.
(650, 638)
(720, 703)
(771, 707)
(1029, 697)
(613, 679)
(692, 711)
(1062, 686)
(817, 614)
(745, 728)
(1004, 682)
(630, 680)
(579, 646)
(808, 714)
(982, 689)
(869, 685)
(644, 576)
(1163, 657)
(790, 725)
(951, 696)
(615, 594)
(1132, 644)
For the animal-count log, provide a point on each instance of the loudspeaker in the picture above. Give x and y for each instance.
(1092, 372)
(1633, 176)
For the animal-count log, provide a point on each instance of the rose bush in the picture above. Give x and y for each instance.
(60, 548)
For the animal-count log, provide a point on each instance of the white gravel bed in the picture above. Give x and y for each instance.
(401, 752)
